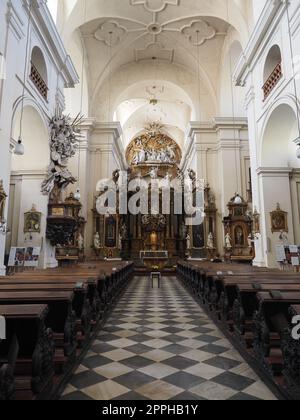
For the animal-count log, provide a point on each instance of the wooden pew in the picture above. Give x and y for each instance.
(103, 287)
(236, 294)
(81, 304)
(59, 289)
(226, 292)
(271, 321)
(246, 304)
(61, 318)
(34, 368)
(7, 371)
(291, 357)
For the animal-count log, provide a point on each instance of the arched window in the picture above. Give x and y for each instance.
(38, 72)
(272, 70)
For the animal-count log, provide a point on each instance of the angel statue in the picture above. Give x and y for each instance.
(64, 137)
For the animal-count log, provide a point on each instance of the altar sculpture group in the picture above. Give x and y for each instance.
(151, 155)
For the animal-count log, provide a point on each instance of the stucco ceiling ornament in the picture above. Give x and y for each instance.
(111, 33)
(64, 137)
(155, 6)
(198, 32)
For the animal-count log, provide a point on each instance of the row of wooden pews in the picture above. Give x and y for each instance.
(256, 306)
(51, 317)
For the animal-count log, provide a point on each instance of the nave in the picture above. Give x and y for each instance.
(158, 344)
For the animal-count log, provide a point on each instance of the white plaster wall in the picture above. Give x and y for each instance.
(13, 40)
(271, 128)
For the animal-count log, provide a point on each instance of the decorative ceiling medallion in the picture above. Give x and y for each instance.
(154, 50)
(154, 28)
(155, 6)
(111, 33)
(198, 32)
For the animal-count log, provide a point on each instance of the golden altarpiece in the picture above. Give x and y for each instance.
(162, 237)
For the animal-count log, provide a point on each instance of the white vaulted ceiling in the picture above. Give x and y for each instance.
(137, 50)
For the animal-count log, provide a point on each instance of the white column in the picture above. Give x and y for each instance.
(232, 136)
(106, 154)
(253, 141)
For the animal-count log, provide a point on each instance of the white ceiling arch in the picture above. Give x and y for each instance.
(185, 37)
(170, 106)
(162, 90)
(234, 14)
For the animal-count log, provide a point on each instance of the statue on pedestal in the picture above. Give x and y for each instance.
(120, 242)
(188, 242)
(228, 243)
(97, 244)
(80, 242)
(210, 241)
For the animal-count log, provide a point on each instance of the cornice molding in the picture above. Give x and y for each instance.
(275, 171)
(14, 21)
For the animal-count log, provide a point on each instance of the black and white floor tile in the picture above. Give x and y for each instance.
(158, 344)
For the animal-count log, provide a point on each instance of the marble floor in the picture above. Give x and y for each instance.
(158, 344)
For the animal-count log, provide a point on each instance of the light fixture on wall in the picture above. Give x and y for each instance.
(19, 148)
(297, 140)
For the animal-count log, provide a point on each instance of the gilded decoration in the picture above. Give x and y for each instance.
(154, 148)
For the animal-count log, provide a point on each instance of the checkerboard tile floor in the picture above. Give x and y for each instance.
(158, 344)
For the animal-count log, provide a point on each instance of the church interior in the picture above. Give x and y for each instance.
(149, 200)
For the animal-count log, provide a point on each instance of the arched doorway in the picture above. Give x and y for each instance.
(279, 178)
(27, 174)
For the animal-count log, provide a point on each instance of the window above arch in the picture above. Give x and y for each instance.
(272, 70)
(38, 72)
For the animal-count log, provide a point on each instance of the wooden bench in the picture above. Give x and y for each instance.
(246, 304)
(61, 318)
(81, 305)
(7, 371)
(291, 357)
(271, 321)
(34, 367)
(65, 293)
(225, 293)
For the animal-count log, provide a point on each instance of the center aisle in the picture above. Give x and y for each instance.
(158, 344)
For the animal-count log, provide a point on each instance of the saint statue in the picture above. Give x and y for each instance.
(188, 242)
(283, 238)
(124, 231)
(97, 244)
(120, 242)
(250, 240)
(210, 241)
(153, 173)
(228, 244)
(168, 178)
(80, 242)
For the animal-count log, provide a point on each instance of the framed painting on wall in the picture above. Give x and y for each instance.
(279, 221)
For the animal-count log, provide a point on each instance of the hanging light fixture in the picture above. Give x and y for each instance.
(19, 148)
(297, 140)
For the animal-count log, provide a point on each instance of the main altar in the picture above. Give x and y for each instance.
(158, 238)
